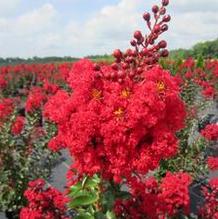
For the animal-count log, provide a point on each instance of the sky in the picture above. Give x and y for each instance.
(87, 27)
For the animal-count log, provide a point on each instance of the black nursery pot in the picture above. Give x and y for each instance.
(12, 214)
(196, 197)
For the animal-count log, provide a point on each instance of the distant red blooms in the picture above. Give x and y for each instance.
(209, 91)
(43, 202)
(18, 125)
(209, 209)
(174, 194)
(3, 82)
(35, 99)
(212, 163)
(210, 132)
(6, 108)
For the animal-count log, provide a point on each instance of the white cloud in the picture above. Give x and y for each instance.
(40, 33)
(8, 6)
(194, 5)
(22, 33)
(110, 28)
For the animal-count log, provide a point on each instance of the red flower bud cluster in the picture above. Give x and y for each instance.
(146, 51)
(46, 203)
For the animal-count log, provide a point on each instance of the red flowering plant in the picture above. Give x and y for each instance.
(120, 122)
(24, 134)
(43, 202)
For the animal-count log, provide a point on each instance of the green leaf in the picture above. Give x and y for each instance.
(83, 200)
(75, 189)
(110, 215)
(84, 216)
(90, 182)
(100, 215)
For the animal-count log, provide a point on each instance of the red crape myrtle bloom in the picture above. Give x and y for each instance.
(174, 194)
(6, 109)
(210, 208)
(120, 119)
(212, 163)
(117, 128)
(154, 200)
(210, 132)
(35, 99)
(18, 125)
(43, 203)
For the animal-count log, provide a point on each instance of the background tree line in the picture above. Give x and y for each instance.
(208, 49)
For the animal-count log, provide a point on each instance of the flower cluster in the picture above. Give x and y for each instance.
(35, 99)
(170, 198)
(210, 208)
(210, 132)
(46, 203)
(117, 128)
(6, 108)
(212, 163)
(18, 125)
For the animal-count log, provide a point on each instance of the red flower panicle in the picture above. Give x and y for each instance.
(210, 132)
(210, 207)
(212, 163)
(174, 195)
(117, 128)
(18, 125)
(46, 203)
(150, 199)
(122, 118)
(35, 99)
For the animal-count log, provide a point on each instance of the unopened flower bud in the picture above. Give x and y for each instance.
(157, 28)
(138, 35)
(128, 52)
(165, 2)
(114, 66)
(117, 54)
(133, 42)
(96, 67)
(145, 51)
(162, 44)
(147, 16)
(163, 11)
(166, 18)
(164, 27)
(155, 9)
(164, 53)
(125, 65)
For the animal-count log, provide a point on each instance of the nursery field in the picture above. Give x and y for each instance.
(133, 135)
(30, 140)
